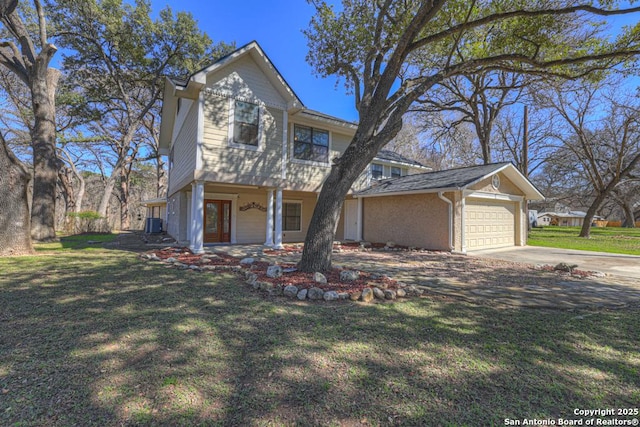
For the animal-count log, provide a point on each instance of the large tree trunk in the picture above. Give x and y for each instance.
(125, 221)
(15, 227)
(585, 231)
(318, 245)
(629, 218)
(45, 160)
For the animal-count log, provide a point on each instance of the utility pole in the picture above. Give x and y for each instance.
(525, 143)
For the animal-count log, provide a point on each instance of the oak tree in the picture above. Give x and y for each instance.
(391, 53)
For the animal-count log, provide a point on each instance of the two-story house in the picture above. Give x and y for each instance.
(247, 161)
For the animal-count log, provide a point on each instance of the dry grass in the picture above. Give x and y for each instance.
(101, 338)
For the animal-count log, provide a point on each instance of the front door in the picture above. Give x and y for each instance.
(217, 221)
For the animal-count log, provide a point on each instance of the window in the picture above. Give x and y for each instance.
(246, 123)
(310, 144)
(376, 171)
(396, 172)
(291, 216)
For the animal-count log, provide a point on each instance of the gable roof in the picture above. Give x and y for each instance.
(450, 180)
(254, 50)
(191, 87)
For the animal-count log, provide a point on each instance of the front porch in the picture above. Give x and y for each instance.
(206, 214)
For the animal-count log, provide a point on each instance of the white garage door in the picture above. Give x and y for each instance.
(489, 224)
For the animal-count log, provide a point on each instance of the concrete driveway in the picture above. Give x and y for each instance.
(614, 264)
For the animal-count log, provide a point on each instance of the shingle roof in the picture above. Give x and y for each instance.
(395, 157)
(458, 178)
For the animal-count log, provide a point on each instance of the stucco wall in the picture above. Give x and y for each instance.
(419, 220)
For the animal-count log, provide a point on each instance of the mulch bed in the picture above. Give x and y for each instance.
(291, 276)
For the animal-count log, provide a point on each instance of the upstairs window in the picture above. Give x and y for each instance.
(377, 171)
(310, 144)
(396, 172)
(246, 123)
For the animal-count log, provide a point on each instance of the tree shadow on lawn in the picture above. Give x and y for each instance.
(110, 340)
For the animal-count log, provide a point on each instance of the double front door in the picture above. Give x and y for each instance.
(217, 221)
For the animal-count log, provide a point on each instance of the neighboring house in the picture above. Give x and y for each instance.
(247, 161)
(564, 219)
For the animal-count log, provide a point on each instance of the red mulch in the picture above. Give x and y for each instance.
(300, 279)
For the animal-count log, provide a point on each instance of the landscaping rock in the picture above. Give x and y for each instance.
(330, 296)
(274, 271)
(302, 295)
(194, 267)
(277, 290)
(367, 295)
(319, 278)
(171, 259)
(378, 293)
(265, 286)
(401, 293)
(255, 285)
(290, 291)
(355, 296)
(381, 286)
(247, 261)
(349, 275)
(315, 293)
(390, 294)
(343, 295)
(563, 266)
(365, 244)
(391, 244)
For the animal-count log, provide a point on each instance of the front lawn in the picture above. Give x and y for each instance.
(607, 239)
(102, 338)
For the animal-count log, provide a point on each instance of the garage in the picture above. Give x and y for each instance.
(459, 210)
(489, 224)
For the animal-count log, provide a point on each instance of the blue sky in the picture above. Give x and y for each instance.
(277, 26)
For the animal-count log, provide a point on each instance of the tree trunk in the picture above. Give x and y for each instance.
(585, 231)
(629, 218)
(318, 245)
(125, 222)
(15, 227)
(69, 197)
(45, 159)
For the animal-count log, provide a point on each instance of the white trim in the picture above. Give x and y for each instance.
(269, 234)
(231, 129)
(310, 162)
(402, 193)
(200, 132)
(492, 196)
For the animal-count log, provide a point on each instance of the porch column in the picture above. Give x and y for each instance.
(197, 217)
(269, 241)
(278, 236)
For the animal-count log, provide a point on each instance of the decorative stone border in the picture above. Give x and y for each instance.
(271, 278)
